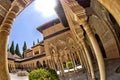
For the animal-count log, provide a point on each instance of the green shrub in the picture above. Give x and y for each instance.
(69, 65)
(43, 74)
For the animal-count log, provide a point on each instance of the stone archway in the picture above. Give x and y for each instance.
(111, 5)
(53, 54)
(38, 64)
(9, 13)
(116, 29)
(44, 64)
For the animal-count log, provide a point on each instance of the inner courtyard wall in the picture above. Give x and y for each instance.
(101, 25)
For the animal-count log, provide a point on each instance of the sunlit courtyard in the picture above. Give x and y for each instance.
(69, 73)
(59, 40)
(15, 77)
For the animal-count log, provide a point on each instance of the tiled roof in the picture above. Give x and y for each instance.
(10, 56)
(16, 56)
(48, 24)
(29, 58)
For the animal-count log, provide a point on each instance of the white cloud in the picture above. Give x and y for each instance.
(45, 7)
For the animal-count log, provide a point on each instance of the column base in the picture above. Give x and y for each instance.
(94, 79)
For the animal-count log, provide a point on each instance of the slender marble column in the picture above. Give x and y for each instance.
(53, 61)
(61, 66)
(79, 58)
(5, 27)
(85, 58)
(80, 37)
(73, 61)
(88, 59)
(96, 48)
(4, 72)
(50, 63)
(71, 56)
(4, 36)
(58, 68)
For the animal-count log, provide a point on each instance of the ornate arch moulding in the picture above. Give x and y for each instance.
(14, 10)
(113, 7)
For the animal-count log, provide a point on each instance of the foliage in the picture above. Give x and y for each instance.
(69, 65)
(12, 48)
(17, 51)
(24, 48)
(33, 43)
(43, 74)
(38, 41)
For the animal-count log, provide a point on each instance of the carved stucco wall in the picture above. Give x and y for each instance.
(4, 7)
(61, 49)
(11, 65)
(53, 40)
(100, 23)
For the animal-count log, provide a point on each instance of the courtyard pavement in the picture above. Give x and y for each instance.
(15, 77)
(111, 66)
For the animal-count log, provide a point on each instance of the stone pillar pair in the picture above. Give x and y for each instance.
(88, 62)
(72, 59)
(84, 58)
(53, 61)
(4, 36)
(50, 63)
(96, 48)
(59, 66)
(78, 16)
(80, 56)
(59, 63)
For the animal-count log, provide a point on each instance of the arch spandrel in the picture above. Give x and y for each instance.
(70, 42)
(13, 11)
(52, 50)
(113, 7)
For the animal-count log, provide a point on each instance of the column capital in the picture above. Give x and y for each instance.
(9, 19)
(87, 28)
(6, 28)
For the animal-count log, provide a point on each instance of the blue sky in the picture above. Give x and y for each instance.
(24, 27)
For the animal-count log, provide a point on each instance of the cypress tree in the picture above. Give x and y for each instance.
(24, 48)
(17, 51)
(38, 41)
(33, 43)
(12, 48)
